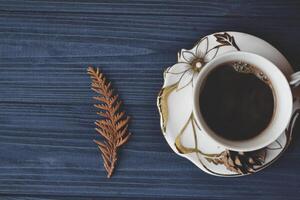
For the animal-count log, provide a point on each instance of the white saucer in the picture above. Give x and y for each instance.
(175, 108)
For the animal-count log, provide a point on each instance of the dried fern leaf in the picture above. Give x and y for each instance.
(113, 126)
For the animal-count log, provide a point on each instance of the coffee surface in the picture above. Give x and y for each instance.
(236, 105)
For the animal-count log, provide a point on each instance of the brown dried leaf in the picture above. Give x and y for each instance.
(123, 140)
(119, 115)
(114, 126)
(101, 99)
(103, 114)
(102, 106)
(116, 107)
(122, 123)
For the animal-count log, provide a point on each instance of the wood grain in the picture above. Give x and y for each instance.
(46, 121)
(227, 8)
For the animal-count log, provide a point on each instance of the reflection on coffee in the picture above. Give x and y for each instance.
(236, 101)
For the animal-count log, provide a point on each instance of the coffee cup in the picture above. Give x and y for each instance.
(281, 90)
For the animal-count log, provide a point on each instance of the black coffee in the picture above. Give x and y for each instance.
(236, 102)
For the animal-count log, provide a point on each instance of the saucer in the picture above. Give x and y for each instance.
(176, 107)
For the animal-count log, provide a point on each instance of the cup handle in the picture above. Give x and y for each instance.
(295, 79)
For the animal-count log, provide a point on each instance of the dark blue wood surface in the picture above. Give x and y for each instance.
(46, 121)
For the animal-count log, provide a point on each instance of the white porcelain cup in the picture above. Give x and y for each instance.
(281, 90)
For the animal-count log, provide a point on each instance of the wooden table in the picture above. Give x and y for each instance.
(46, 121)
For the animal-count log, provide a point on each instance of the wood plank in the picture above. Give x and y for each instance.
(228, 8)
(45, 57)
